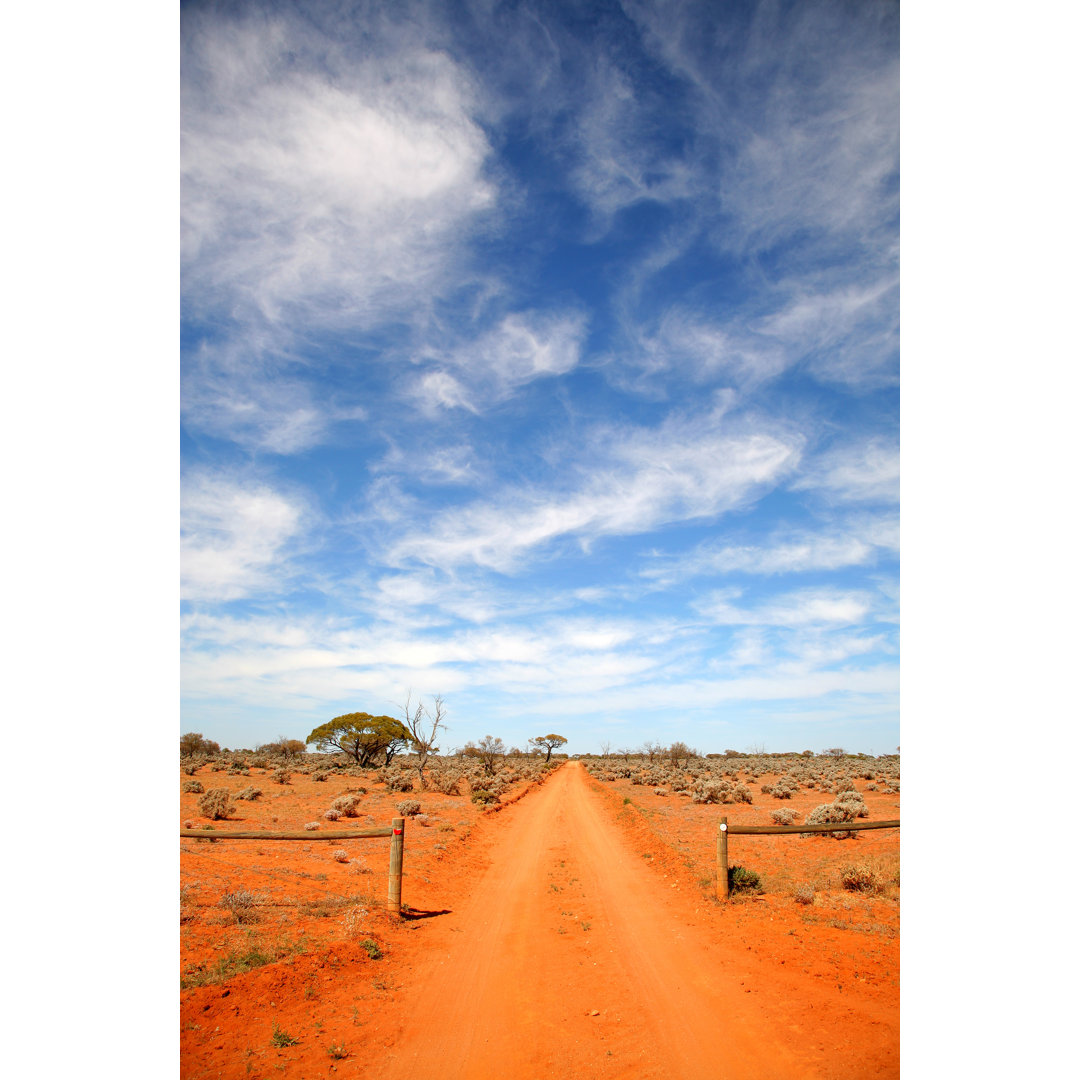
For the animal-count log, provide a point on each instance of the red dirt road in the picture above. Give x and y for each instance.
(571, 957)
(562, 935)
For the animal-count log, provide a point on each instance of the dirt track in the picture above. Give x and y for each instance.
(571, 957)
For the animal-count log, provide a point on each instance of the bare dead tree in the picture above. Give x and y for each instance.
(423, 724)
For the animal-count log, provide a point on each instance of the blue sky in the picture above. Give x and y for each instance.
(546, 357)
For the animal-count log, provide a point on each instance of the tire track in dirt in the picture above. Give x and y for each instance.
(570, 955)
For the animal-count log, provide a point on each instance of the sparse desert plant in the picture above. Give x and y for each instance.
(249, 793)
(354, 920)
(281, 776)
(319, 775)
(660, 791)
(804, 894)
(193, 787)
(859, 878)
(484, 797)
(341, 855)
(371, 947)
(282, 1038)
(215, 804)
(332, 814)
(784, 816)
(784, 788)
(829, 814)
(346, 805)
(337, 1051)
(711, 791)
(742, 794)
(851, 798)
(445, 781)
(408, 807)
(742, 880)
(398, 782)
(241, 904)
(311, 826)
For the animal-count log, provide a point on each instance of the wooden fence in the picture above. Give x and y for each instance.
(724, 830)
(395, 830)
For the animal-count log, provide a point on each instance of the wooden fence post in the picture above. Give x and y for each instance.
(721, 860)
(397, 858)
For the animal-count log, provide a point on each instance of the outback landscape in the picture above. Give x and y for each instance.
(558, 914)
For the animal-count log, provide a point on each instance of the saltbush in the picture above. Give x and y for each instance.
(859, 879)
(193, 787)
(215, 804)
(346, 805)
(742, 880)
(408, 807)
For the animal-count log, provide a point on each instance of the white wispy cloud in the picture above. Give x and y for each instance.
(234, 536)
(634, 481)
(320, 190)
(802, 107)
(803, 607)
(316, 188)
(524, 346)
(866, 471)
(857, 542)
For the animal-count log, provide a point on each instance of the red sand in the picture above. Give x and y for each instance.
(571, 931)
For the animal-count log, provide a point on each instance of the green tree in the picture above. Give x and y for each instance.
(364, 737)
(548, 743)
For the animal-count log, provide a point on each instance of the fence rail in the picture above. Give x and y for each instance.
(724, 830)
(395, 830)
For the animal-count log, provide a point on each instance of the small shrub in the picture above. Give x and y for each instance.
(398, 782)
(484, 797)
(446, 783)
(742, 880)
(311, 826)
(371, 947)
(829, 814)
(337, 1052)
(319, 776)
(341, 855)
(346, 804)
(354, 920)
(804, 894)
(408, 807)
(784, 816)
(784, 788)
(332, 814)
(859, 879)
(281, 776)
(660, 791)
(193, 787)
(742, 794)
(241, 904)
(249, 793)
(215, 804)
